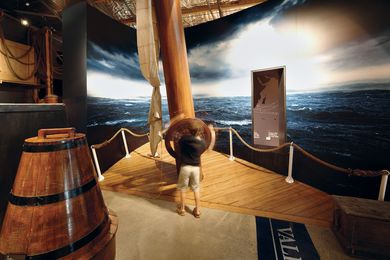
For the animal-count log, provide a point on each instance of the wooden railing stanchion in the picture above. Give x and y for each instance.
(125, 144)
(231, 157)
(382, 189)
(100, 176)
(289, 178)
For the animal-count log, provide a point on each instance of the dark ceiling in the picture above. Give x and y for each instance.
(38, 13)
(42, 13)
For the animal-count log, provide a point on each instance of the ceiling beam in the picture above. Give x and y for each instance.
(36, 14)
(128, 20)
(100, 1)
(220, 6)
(204, 8)
(223, 5)
(51, 9)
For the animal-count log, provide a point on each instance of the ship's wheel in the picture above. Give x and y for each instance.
(183, 127)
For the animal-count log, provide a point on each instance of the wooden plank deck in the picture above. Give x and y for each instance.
(236, 186)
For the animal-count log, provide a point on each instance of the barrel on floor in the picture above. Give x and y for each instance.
(56, 208)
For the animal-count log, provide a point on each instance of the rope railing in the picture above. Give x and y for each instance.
(316, 159)
(289, 178)
(107, 142)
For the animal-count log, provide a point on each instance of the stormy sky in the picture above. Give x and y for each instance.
(323, 44)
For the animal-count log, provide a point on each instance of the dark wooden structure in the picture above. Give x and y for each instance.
(56, 209)
(362, 226)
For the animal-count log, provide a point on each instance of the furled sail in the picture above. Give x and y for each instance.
(148, 52)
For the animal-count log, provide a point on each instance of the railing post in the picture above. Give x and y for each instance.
(125, 144)
(289, 178)
(231, 157)
(382, 190)
(100, 176)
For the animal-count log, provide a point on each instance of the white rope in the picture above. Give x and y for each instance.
(98, 146)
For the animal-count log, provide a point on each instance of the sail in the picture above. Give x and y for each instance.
(148, 53)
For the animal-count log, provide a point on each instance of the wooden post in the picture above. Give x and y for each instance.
(50, 97)
(174, 54)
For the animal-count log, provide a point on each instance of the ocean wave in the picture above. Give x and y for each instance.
(307, 114)
(115, 122)
(121, 121)
(299, 109)
(139, 100)
(234, 122)
(93, 124)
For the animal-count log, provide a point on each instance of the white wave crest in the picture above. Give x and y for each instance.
(120, 121)
(234, 122)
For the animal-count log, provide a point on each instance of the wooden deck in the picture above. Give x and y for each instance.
(236, 186)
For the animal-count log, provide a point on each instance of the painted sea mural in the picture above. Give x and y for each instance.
(337, 62)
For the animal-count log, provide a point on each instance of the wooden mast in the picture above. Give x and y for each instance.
(174, 53)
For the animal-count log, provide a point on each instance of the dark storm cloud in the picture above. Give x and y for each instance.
(371, 15)
(372, 52)
(207, 63)
(342, 21)
(278, 11)
(200, 74)
(207, 43)
(113, 62)
(227, 27)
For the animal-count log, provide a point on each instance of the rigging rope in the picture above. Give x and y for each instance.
(9, 55)
(8, 50)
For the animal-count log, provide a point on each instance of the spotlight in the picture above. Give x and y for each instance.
(27, 3)
(24, 22)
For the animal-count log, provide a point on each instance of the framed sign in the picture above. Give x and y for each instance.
(269, 107)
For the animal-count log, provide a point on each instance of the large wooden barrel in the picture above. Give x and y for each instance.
(56, 209)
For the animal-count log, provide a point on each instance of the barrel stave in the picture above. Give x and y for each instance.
(16, 228)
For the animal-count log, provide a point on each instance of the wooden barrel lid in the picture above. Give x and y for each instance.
(54, 139)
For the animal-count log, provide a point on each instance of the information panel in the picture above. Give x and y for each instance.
(269, 107)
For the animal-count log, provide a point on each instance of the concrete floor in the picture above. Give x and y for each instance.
(150, 229)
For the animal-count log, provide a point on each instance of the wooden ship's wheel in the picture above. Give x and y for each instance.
(186, 126)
